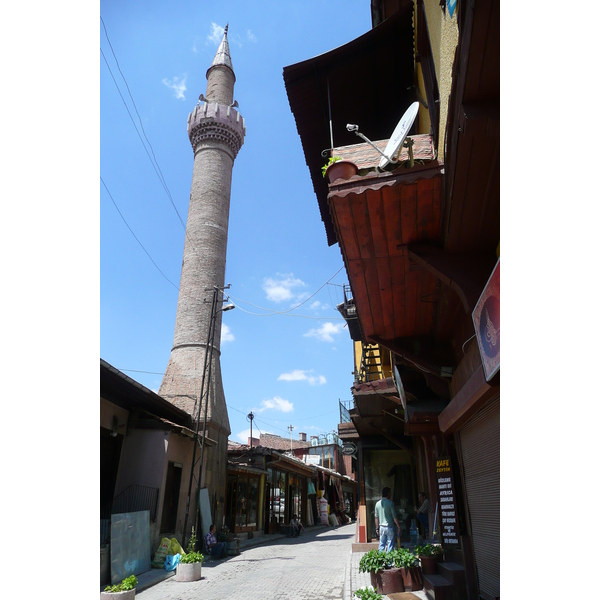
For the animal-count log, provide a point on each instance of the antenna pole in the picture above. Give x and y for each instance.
(290, 427)
(330, 120)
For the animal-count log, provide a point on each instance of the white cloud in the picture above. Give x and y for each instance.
(243, 436)
(275, 403)
(226, 335)
(281, 288)
(326, 331)
(299, 375)
(315, 305)
(177, 85)
(216, 34)
(251, 37)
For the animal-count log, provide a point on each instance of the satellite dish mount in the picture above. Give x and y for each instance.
(397, 140)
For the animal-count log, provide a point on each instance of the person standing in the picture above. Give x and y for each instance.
(423, 512)
(385, 518)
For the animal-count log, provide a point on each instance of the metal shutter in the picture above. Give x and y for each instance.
(480, 445)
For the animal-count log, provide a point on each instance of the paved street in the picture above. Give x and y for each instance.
(306, 568)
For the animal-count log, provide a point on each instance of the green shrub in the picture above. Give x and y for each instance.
(367, 594)
(374, 560)
(402, 558)
(127, 584)
(429, 550)
(191, 557)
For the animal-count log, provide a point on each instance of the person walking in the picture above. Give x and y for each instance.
(385, 517)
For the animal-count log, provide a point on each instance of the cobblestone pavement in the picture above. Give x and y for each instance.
(310, 567)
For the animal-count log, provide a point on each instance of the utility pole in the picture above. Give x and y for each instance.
(251, 417)
(290, 427)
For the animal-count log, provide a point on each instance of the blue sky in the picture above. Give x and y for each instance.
(289, 369)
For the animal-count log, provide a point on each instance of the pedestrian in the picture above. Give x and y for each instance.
(295, 527)
(214, 548)
(385, 517)
(423, 512)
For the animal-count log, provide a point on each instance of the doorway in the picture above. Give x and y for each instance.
(168, 521)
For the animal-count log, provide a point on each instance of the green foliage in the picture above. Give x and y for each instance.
(191, 557)
(127, 584)
(429, 550)
(192, 543)
(367, 593)
(402, 558)
(329, 162)
(374, 560)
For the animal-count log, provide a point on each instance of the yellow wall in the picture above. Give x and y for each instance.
(443, 36)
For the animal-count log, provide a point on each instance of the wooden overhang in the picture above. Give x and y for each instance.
(368, 81)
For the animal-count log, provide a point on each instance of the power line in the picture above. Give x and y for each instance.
(136, 238)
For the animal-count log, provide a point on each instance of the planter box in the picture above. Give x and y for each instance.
(188, 572)
(429, 564)
(127, 595)
(412, 578)
(388, 581)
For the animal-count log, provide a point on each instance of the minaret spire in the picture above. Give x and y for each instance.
(216, 131)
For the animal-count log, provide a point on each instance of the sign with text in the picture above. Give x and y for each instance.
(449, 519)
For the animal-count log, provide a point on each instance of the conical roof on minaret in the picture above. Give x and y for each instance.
(223, 56)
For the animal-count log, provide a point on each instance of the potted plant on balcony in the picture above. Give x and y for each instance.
(120, 591)
(338, 168)
(429, 554)
(385, 578)
(408, 564)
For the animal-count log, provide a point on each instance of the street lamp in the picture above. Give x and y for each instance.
(204, 393)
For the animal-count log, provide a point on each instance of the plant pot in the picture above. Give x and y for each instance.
(126, 595)
(388, 581)
(429, 564)
(188, 572)
(341, 169)
(411, 576)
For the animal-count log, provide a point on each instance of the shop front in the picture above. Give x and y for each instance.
(245, 491)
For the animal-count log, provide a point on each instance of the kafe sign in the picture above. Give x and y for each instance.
(449, 521)
(349, 448)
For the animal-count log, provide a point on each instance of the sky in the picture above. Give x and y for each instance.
(289, 369)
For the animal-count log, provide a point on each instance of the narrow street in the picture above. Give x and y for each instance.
(309, 567)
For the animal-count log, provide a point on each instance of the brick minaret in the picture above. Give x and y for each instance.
(216, 131)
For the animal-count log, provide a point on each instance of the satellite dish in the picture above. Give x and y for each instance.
(397, 138)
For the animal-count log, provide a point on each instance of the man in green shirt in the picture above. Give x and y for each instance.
(385, 517)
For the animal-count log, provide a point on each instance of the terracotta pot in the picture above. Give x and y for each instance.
(188, 572)
(388, 581)
(341, 169)
(411, 576)
(126, 595)
(429, 564)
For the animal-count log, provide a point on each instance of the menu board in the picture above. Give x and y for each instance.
(449, 518)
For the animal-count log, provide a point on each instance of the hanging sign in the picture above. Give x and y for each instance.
(447, 504)
(486, 320)
(349, 448)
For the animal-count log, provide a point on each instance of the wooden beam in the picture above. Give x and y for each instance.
(389, 437)
(396, 347)
(465, 275)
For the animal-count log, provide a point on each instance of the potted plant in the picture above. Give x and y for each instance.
(408, 564)
(189, 567)
(367, 594)
(338, 168)
(429, 554)
(384, 578)
(120, 591)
